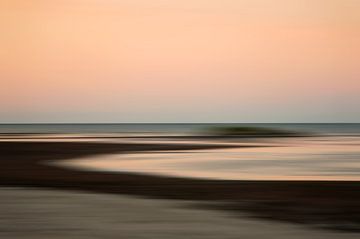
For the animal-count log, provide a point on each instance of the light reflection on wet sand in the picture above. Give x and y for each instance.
(320, 158)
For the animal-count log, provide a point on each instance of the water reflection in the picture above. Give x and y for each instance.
(321, 158)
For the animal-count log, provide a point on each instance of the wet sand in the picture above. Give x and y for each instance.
(331, 205)
(42, 214)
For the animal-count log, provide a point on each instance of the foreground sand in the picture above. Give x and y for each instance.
(42, 214)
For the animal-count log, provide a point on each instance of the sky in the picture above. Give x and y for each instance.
(184, 61)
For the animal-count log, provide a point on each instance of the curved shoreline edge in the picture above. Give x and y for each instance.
(333, 205)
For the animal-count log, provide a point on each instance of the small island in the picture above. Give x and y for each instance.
(247, 131)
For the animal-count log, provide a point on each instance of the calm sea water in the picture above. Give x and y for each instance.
(337, 129)
(309, 158)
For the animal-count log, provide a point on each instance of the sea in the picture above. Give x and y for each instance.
(175, 128)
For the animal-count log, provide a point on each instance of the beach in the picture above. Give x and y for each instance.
(40, 214)
(326, 207)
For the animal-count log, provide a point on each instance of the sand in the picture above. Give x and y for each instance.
(51, 214)
(331, 205)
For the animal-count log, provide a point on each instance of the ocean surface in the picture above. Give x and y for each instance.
(323, 158)
(335, 129)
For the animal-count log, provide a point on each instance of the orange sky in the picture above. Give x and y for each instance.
(179, 61)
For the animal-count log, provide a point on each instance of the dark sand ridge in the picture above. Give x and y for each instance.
(334, 205)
